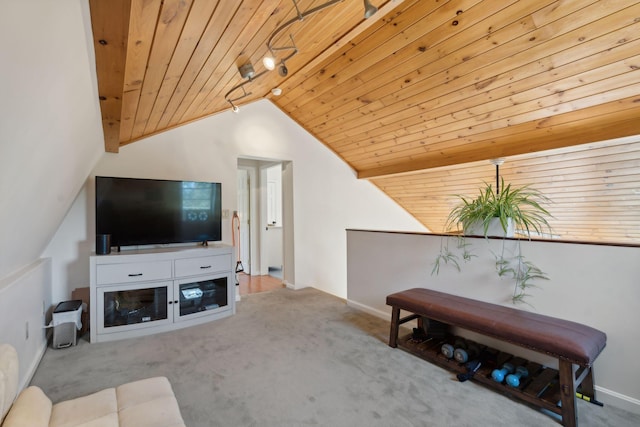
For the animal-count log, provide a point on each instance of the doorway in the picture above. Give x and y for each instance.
(265, 208)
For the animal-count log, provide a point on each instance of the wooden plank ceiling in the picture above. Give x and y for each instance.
(417, 98)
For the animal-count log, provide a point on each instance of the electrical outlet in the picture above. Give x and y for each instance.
(225, 213)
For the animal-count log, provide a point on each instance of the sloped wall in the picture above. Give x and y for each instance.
(51, 133)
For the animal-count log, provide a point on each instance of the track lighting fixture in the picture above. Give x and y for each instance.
(247, 72)
(270, 61)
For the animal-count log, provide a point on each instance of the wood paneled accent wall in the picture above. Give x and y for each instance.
(594, 189)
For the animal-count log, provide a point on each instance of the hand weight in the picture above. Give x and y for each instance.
(514, 379)
(499, 374)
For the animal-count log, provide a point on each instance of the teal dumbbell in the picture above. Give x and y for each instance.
(514, 379)
(499, 374)
(463, 355)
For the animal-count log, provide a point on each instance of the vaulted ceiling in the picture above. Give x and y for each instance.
(416, 98)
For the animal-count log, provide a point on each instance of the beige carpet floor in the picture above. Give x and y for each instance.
(296, 358)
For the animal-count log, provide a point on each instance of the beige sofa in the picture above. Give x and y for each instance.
(144, 403)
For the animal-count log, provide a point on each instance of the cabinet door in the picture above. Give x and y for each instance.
(129, 307)
(201, 296)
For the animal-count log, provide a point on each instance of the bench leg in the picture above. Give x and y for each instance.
(395, 326)
(587, 386)
(568, 393)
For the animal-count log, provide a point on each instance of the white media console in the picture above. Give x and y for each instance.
(141, 292)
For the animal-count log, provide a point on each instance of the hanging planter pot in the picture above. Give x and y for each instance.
(494, 229)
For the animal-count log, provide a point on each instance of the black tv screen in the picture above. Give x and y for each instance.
(149, 211)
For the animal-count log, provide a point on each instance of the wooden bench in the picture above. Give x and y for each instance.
(576, 346)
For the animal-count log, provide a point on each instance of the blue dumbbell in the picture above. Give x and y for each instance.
(499, 374)
(463, 355)
(514, 379)
(448, 350)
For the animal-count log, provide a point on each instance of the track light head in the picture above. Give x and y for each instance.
(247, 71)
(234, 107)
(283, 70)
(369, 9)
(269, 62)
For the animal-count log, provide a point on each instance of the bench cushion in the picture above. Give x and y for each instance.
(563, 339)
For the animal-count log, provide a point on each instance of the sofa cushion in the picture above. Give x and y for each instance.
(94, 410)
(8, 377)
(148, 403)
(32, 408)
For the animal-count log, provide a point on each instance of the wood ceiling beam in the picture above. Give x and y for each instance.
(608, 126)
(142, 23)
(110, 24)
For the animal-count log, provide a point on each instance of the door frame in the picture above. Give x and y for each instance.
(257, 220)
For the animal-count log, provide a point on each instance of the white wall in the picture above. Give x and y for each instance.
(596, 285)
(50, 130)
(50, 139)
(327, 197)
(24, 301)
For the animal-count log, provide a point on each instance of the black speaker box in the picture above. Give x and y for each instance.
(103, 244)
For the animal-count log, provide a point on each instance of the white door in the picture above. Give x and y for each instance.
(272, 240)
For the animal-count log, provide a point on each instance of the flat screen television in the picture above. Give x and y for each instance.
(151, 211)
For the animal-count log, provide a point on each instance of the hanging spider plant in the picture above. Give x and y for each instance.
(521, 205)
(518, 208)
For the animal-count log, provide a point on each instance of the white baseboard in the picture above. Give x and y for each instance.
(33, 366)
(293, 286)
(373, 311)
(613, 398)
(606, 396)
